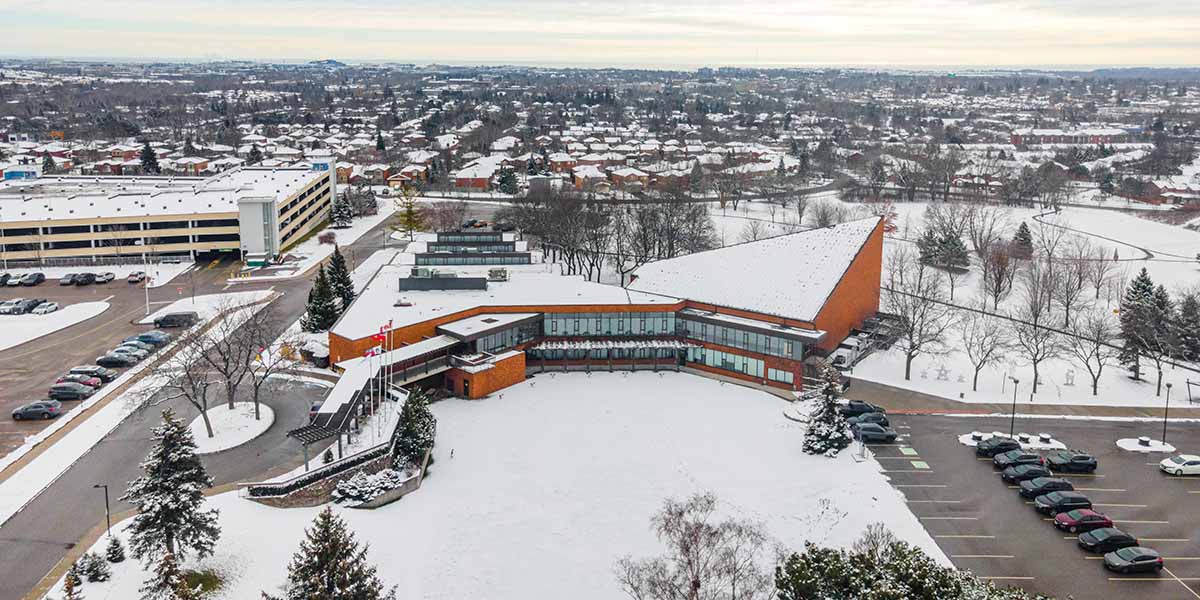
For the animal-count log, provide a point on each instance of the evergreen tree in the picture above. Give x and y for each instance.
(169, 497)
(71, 588)
(332, 565)
(1022, 245)
(416, 430)
(379, 145)
(411, 220)
(255, 156)
(149, 160)
(927, 245)
(167, 582)
(73, 576)
(952, 253)
(339, 278)
(321, 311)
(47, 164)
(341, 214)
(827, 431)
(188, 148)
(508, 182)
(1187, 327)
(1136, 310)
(114, 551)
(93, 568)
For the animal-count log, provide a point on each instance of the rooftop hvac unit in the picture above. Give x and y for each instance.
(497, 274)
(421, 273)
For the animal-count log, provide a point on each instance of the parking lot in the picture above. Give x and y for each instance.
(984, 526)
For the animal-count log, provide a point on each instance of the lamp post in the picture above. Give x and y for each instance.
(1012, 423)
(107, 511)
(145, 273)
(1166, 409)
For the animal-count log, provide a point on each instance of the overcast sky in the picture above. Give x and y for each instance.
(651, 33)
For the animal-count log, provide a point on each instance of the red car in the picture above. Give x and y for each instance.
(84, 379)
(1082, 519)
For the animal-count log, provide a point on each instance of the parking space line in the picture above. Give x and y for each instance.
(1088, 475)
(908, 451)
(988, 556)
(934, 501)
(1185, 586)
(1142, 522)
(949, 518)
(1119, 505)
(893, 458)
(907, 471)
(1165, 539)
(920, 464)
(964, 537)
(1099, 489)
(919, 485)
(1000, 577)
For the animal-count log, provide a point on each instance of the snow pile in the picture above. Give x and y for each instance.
(364, 486)
(564, 473)
(207, 306)
(18, 329)
(1135, 445)
(231, 428)
(1028, 441)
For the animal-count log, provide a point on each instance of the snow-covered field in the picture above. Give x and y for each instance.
(231, 428)
(18, 329)
(207, 305)
(563, 473)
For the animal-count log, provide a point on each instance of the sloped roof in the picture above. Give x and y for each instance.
(788, 276)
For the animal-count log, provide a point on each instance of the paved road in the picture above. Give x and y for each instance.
(984, 526)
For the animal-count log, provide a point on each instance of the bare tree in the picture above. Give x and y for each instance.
(445, 216)
(1099, 270)
(998, 270)
(190, 376)
(272, 355)
(705, 559)
(916, 295)
(753, 231)
(985, 339)
(1032, 335)
(826, 213)
(801, 207)
(633, 238)
(1070, 278)
(1094, 342)
(948, 219)
(230, 348)
(986, 227)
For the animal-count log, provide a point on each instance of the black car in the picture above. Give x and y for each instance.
(1013, 458)
(181, 319)
(1056, 502)
(33, 279)
(70, 390)
(1038, 486)
(1071, 461)
(4, 277)
(68, 279)
(996, 445)
(42, 409)
(105, 375)
(877, 418)
(1019, 473)
(1134, 559)
(156, 338)
(872, 433)
(1106, 539)
(116, 361)
(26, 306)
(85, 279)
(854, 408)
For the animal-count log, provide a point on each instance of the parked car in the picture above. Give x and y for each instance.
(87, 380)
(13, 281)
(996, 445)
(854, 408)
(1017, 457)
(180, 319)
(139, 345)
(70, 391)
(1019, 473)
(68, 279)
(136, 353)
(105, 277)
(1106, 539)
(1182, 464)
(4, 277)
(1057, 502)
(85, 279)
(157, 338)
(45, 308)
(116, 361)
(1134, 559)
(1083, 519)
(26, 306)
(871, 417)
(6, 307)
(41, 409)
(105, 375)
(871, 432)
(1071, 461)
(1032, 488)
(136, 277)
(33, 279)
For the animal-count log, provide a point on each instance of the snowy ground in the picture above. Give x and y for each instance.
(160, 273)
(564, 473)
(231, 428)
(18, 329)
(207, 305)
(312, 251)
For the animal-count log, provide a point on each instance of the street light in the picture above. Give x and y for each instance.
(107, 512)
(1166, 409)
(1012, 423)
(145, 273)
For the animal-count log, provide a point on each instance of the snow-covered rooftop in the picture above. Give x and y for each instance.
(789, 276)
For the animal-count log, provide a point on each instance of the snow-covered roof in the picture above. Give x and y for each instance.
(788, 276)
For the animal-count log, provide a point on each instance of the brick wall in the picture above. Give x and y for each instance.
(506, 372)
(856, 296)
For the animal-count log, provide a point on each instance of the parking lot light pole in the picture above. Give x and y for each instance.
(1012, 423)
(107, 511)
(1166, 409)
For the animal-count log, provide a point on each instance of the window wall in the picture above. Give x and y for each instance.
(759, 343)
(481, 259)
(727, 361)
(608, 324)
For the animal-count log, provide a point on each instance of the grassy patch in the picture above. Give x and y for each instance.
(208, 580)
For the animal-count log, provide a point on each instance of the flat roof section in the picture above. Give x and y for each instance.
(478, 326)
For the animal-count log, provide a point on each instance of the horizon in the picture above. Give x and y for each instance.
(985, 34)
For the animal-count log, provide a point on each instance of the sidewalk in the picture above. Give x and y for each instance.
(902, 401)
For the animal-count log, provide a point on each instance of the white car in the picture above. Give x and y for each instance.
(45, 308)
(1182, 464)
(7, 306)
